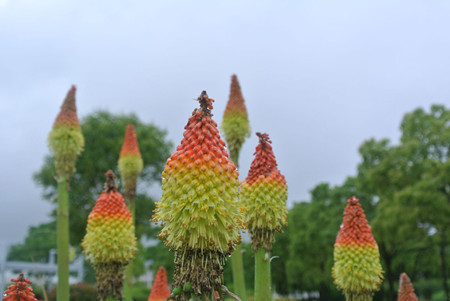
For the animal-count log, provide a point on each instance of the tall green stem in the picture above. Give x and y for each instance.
(62, 293)
(263, 284)
(127, 291)
(237, 263)
(237, 266)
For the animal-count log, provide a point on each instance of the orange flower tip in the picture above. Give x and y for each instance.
(353, 200)
(69, 101)
(404, 277)
(130, 144)
(236, 100)
(68, 112)
(263, 138)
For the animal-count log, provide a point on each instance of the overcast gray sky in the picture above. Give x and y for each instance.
(319, 76)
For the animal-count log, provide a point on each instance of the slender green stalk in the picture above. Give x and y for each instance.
(127, 291)
(237, 263)
(62, 292)
(263, 284)
(238, 272)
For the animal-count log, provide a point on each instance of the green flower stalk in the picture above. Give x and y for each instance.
(130, 166)
(236, 128)
(357, 270)
(264, 193)
(198, 209)
(110, 241)
(235, 125)
(66, 143)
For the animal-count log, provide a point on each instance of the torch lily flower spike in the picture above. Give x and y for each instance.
(130, 162)
(406, 289)
(264, 193)
(65, 139)
(19, 291)
(110, 240)
(198, 209)
(66, 142)
(357, 270)
(160, 289)
(235, 125)
(236, 128)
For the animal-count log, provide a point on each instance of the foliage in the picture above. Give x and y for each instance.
(312, 229)
(280, 252)
(104, 132)
(161, 256)
(412, 182)
(140, 291)
(39, 241)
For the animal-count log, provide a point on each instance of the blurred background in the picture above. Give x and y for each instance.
(354, 95)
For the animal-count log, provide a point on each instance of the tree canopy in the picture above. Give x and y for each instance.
(411, 180)
(104, 133)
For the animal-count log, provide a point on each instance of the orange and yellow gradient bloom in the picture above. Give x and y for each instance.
(130, 161)
(264, 194)
(109, 239)
(357, 270)
(198, 209)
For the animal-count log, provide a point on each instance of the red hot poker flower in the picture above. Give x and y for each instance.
(160, 289)
(406, 289)
(235, 125)
(357, 270)
(264, 193)
(19, 291)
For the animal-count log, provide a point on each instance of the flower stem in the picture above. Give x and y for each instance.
(237, 264)
(263, 290)
(238, 272)
(63, 240)
(127, 292)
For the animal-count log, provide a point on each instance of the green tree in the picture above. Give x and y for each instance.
(104, 132)
(280, 252)
(312, 230)
(39, 241)
(411, 180)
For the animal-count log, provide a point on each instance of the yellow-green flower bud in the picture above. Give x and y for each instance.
(65, 139)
